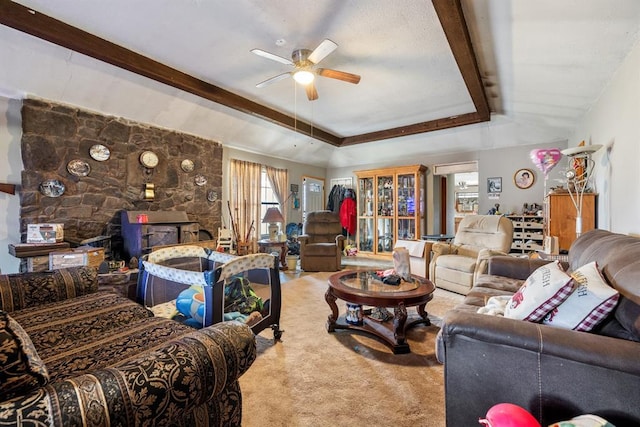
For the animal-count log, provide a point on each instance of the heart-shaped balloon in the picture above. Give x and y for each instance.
(544, 159)
(508, 415)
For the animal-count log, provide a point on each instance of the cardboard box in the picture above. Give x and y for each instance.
(37, 263)
(84, 255)
(45, 233)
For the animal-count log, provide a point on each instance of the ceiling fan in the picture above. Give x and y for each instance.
(304, 61)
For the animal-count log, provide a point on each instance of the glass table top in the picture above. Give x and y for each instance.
(369, 281)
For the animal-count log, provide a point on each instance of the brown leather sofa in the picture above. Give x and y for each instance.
(553, 373)
(321, 242)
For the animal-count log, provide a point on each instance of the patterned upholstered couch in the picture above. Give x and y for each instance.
(72, 355)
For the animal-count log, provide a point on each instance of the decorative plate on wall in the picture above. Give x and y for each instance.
(524, 178)
(200, 180)
(52, 188)
(187, 165)
(78, 167)
(99, 153)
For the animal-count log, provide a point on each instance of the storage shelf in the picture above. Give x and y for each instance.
(528, 233)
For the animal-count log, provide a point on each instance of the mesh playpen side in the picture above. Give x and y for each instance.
(200, 287)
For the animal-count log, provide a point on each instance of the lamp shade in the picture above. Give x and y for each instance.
(273, 215)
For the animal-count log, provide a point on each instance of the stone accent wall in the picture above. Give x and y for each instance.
(54, 134)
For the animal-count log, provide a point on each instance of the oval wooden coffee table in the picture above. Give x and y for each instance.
(362, 287)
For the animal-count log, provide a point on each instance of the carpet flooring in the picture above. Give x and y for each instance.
(314, 378)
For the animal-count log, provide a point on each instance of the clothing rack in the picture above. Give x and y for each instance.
(347, 211)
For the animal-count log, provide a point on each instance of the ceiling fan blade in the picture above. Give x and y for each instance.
(312, 93)
(273, 80)
(323, 49)
(271, 56)
(339, 75)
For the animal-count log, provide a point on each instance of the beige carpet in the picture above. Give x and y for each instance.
(313, 378)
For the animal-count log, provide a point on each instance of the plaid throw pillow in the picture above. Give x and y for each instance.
(545, 289)
(591, 301)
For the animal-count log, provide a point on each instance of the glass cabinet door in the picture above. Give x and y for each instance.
(406, 228)
(406, 195)
(366, 228)
(385, 196)
(365, 234)
(385, 235)
(365, 197)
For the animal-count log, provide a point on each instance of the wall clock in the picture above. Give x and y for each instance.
(149, 159)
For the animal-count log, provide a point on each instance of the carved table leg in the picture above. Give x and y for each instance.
(423, 314)
(399, 319)
(330, 298)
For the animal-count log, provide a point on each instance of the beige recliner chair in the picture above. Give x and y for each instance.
(321, 242)
(454, 266)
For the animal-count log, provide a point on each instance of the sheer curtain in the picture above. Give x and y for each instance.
(245, 199)
(279, 179)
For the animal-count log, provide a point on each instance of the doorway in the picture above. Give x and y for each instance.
(312, 195)
(448, 177)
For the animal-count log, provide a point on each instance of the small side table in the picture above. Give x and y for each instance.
(267, 246)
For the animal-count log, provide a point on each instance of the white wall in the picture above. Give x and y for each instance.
(504, 163)
(499, 162)
(10, 172)
(614, 121)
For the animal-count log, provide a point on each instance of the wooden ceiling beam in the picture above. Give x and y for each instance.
(455, 29)
(449, 12)
(57, 32)
(430, 126)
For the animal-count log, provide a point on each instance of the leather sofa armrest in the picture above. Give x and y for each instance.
(302, 239)
(483, 260)
(513, 267)
(498, 331)
(156, 387)
(340, 241)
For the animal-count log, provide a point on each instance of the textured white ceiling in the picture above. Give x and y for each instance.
(543, 63)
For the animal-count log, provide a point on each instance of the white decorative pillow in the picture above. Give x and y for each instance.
(591, 301)
(545, 289)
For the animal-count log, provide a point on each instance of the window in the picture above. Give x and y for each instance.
(268, 199)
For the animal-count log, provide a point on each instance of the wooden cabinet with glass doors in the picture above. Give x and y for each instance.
(391, 206)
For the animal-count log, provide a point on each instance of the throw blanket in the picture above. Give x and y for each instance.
(495, 305)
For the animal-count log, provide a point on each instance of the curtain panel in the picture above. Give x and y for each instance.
(245, 200)
(279, 179)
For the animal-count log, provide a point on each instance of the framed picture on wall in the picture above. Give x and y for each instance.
(524, 178)
(494, 185)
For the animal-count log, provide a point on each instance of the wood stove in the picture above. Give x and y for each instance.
(142, 230)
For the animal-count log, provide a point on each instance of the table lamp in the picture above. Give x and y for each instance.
(272, 217)
(581, 167)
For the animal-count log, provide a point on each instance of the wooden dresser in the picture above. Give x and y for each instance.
(561, 215)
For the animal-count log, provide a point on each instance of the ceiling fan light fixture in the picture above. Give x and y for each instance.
(304, 77)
